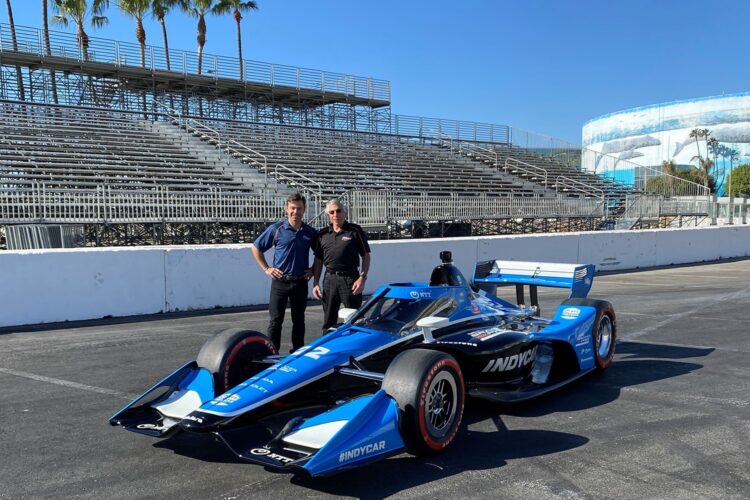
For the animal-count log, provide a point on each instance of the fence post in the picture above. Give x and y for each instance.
(744, 210)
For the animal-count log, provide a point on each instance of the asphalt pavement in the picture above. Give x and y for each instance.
(669, 419)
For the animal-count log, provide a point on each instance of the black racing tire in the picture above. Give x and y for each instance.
(604, 332)
(604, 336)
(428, 387)
(229, 356)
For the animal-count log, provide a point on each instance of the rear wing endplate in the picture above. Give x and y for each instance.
(576, 277)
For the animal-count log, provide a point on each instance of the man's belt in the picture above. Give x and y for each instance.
(287, 278)
(350, 274)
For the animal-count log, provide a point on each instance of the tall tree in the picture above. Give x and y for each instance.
(199, 9)
(669, 170)
(159, 10)
(704, 164)
(19, 75)
(137, 9)
(236, 7)
(48, 49)
(79, 11)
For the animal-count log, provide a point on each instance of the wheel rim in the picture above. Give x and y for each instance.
(604, 336)
(441, 404)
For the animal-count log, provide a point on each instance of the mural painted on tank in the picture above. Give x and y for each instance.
(650, 135)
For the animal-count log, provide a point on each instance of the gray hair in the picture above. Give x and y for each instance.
(335, 202)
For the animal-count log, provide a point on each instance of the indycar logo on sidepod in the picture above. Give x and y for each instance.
(510, 362)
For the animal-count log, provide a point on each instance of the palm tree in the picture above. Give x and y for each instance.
(48, 49)
(19, 75)
(199, 9)
(137, 9)
(159, 10)
(237, 6)
(703, 164)
(78, 11)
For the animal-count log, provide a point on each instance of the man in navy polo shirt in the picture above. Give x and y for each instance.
(290, 271)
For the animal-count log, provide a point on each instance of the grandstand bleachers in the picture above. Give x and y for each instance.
(340, 161)
(78, 148)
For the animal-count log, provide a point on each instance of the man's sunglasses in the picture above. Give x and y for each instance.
(337, 211)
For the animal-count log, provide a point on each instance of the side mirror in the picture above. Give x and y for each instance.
(429, 324)
(345, 314)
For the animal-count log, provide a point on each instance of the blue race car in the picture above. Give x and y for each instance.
(393, 377)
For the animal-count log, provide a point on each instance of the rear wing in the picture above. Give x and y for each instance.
(576, 277)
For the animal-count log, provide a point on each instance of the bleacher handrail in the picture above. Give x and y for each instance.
(526, 168)
(65, 45)
(562, 183)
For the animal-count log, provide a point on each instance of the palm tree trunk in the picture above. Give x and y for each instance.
(19, 75)
(48, 50)
(201, 42)
(166, 54)
(140, 35)
(83, 42)
(166, 42)
(238, 18)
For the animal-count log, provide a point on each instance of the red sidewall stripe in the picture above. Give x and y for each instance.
(421, 415)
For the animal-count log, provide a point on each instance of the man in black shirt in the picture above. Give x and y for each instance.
(339, 247)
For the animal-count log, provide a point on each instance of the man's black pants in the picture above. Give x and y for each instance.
(295, 292)
(337, 290)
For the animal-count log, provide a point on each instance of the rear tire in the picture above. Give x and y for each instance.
(604, 336)
(230, 354)
(429, 389)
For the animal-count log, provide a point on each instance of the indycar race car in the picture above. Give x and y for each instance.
(393, 377)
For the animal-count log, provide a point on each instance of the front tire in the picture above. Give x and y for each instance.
(230, 356)
(428, 387)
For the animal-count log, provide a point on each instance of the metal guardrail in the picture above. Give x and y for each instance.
(419, 126)
(36, 203)
(655, 206)
(65, 45)
(639, 178)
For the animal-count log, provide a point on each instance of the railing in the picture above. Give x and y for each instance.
(304, 183)
(441, 138)
(655, 206)
(65, 45)
(566, 184)
(483, 154)
(460, 130)
(380, 207)
(640, 178)
(532, 172)
(35, 203)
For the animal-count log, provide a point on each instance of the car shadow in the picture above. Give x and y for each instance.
(635, 363)
(199, 447)
(472, 450)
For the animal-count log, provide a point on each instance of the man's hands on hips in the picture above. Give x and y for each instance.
(273, 272)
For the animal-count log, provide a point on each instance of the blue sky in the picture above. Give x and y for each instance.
(541, 65)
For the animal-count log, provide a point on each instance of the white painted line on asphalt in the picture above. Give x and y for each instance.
(689, 346)
(68, 383)
(687, 398)
(739, 294)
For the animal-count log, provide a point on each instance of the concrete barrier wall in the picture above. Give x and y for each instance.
(58, 285)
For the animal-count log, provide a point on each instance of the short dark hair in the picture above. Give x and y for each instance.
(296, 197)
